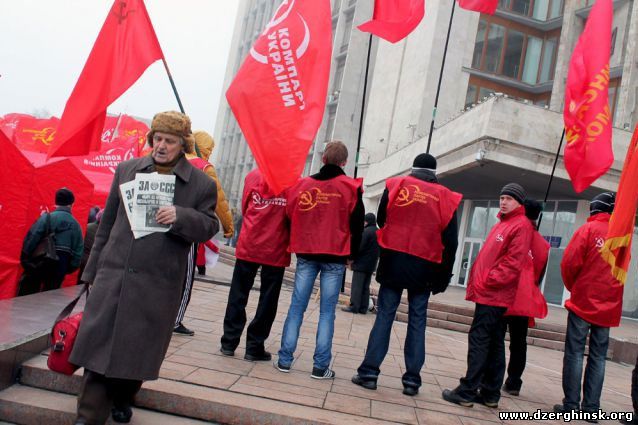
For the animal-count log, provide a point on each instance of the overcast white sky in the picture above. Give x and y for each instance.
(45, 43)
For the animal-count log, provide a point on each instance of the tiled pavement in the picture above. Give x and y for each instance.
(197, 360)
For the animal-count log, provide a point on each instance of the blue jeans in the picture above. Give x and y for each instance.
(379, 340)
(330, 284)
(577, 330)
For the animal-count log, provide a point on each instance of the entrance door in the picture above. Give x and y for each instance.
(471, 248)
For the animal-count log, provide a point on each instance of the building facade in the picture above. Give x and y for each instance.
(499, 117)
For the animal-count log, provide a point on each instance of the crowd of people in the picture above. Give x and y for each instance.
(321, 219)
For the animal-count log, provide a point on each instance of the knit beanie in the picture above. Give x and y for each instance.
(424, 160)
(64, 197)
(173, 122)
(205, 143)
(603, 203)
(370, 218)
(514, 190)
(533, 209)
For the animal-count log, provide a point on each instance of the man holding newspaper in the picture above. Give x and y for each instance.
(157, 207)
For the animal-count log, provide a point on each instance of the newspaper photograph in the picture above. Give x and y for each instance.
(151, 192)
(127, 191)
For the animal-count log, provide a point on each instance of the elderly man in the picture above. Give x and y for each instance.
(137, 283)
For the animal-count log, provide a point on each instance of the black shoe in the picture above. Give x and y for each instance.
(591, 421)
(262, 357)
(280, 367)
(183, 330)
(122, 414)
(453, 397)
(349, 310)
(411, 391)
(559, 408)
(326, 373)
(227, 352)
(363, 311)
(201, 270)
(369, 384)
(511, 391)
(485, 401)
(634, 421)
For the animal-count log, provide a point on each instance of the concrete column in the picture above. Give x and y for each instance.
(626, 112)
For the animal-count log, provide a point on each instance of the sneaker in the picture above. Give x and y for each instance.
(326, 373)
(453, 397)
(227, 352)
(183, 330)
(280, 367)
(261, 357)
(511, 391)
(122, 414)
(369, 384)
(411, 391)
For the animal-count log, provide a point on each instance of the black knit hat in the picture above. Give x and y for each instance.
(64, 197)
(370, 218)
(424, 160)
(514, 190)
(603, 203)
(533, 209)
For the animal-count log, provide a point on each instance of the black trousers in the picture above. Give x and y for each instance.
(360, 291)
(99, 393)
(634, 388)
(485, 354)
(517, 326)
(45, 278)
(235, 318)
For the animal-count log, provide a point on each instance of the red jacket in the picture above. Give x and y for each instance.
(495, 274)
(529, 301)
(596, 296)
(265, 231)
(417, 214)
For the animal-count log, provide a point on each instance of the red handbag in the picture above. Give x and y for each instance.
(63, 334)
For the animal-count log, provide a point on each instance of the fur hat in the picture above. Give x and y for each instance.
(514, 190)
(205, 143)
(64, 197)
(173, 122)
(424, 160)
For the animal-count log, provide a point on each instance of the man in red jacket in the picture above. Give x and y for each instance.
(492, 286)
(594, 306)
(529, 302)
(326, 221)
(263, 243)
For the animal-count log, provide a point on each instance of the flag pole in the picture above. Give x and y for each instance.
(438, 88)
(170, 78)
(363, 105)
(551, 177)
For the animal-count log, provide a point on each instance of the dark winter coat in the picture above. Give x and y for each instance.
(137, 283)
(368, 254)
(405, 271)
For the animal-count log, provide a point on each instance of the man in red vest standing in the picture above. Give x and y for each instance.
(528, 304)
(418, 239)
(263, 242)
(594, 306)
(492, 286)
(326, 221)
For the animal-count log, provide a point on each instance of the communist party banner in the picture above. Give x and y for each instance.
(279, 94)
(483, 6)
(125, 47)
(588, 154)
(617, 248)
(393, 20)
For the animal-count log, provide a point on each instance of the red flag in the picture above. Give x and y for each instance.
(393, 20)
(483, 6)
(588, 154)
(125, 47)
(279, 94)
(617, 248)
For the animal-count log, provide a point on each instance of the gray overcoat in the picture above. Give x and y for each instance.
(137, 283)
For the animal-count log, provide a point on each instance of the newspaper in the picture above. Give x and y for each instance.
(127, 191)
(151, 192)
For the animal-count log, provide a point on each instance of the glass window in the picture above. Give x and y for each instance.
(540, 9)
(532, 59)
(513, 52)
(556, 9)
(470, 98)
(338, 76)
(494, 48)
(478, 215)
(484, 92)
(479, 44)
(547, 67)
(521, 6)
(492, 215)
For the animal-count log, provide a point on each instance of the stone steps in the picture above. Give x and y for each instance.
(46, 397)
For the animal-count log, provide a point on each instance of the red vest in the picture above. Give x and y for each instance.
(418, 212)
(199, 163)
(319, 212)
(265, 231)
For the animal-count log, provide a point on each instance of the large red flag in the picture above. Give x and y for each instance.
(588, 154)
(393, 20)
(483, 6)
(279, 94)
(617, 248)
(125, 47)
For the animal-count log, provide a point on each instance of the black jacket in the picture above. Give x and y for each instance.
(368, 254)
(405, 271)
(328, 172)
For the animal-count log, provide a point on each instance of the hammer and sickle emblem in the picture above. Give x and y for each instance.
(307, 201)
(404, 197)
(45, 136)
(123, 13)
